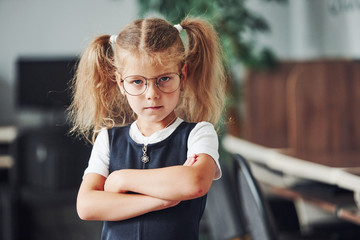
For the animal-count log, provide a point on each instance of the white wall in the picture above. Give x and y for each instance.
(51, 28)
(325, 29)
(277, 16)
(311, 29)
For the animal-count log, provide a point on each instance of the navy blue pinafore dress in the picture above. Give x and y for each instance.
(177, 223)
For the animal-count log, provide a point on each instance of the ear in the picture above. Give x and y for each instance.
(119, 83)
(184, 76)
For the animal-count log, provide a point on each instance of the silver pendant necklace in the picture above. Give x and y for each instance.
(145, 158)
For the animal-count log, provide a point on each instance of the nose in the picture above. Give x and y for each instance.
(152, 91)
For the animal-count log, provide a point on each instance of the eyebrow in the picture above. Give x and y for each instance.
(138, 75)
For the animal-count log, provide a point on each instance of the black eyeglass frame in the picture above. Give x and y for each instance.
(156, 82)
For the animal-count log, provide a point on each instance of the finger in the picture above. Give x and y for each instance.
(188, 161)
(191, 160)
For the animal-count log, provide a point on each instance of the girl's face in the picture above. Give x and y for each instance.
(153, 106)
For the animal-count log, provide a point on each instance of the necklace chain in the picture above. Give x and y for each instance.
(145, 158)
(171, 122)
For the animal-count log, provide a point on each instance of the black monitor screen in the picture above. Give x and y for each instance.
(44, 83)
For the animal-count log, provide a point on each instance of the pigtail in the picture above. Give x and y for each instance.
(96, 96)
(205, 87)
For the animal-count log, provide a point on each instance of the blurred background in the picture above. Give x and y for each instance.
(294, 86)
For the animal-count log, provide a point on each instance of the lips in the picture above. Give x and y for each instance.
(153, 107)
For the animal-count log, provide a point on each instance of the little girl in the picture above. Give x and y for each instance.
(150, 105)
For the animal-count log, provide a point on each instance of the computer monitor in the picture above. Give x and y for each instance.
(43, 83)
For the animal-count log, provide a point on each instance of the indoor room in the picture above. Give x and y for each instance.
(276, 88)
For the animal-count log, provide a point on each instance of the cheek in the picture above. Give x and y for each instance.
(174, 99)
(134, 103)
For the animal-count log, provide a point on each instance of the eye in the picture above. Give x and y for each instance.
(164, 79)
(135, 80)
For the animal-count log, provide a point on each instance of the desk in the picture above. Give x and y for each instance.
(346, 178)
(341, 206)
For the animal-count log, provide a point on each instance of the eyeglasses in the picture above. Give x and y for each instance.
(136, 85)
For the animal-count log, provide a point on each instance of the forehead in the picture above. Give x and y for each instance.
(148, 66)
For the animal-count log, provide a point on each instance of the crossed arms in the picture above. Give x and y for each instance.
(132, 192)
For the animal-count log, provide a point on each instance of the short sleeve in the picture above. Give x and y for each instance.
(204, 139)
(100, 155)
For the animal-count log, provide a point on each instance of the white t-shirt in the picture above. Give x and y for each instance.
(202, 139)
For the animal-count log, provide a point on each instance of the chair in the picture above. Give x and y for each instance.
(259, 219)
(39, 202)
(255, 209)
(222, 212)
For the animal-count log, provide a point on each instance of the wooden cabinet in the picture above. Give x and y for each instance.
(310, 108)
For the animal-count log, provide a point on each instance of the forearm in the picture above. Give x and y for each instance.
(172, 183)
(96, 204)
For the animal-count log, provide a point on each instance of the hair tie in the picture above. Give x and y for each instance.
(178, 27)
(113, 39)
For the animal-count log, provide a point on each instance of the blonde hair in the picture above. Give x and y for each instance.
(97, 101)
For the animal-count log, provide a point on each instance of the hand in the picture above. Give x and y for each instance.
(167, 204)
(114, 183)
(190, 161)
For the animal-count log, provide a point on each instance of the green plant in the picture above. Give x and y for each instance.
(233, 21)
